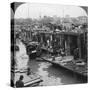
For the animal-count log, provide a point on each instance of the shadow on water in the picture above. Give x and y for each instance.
(51, 74)
(54, 75)
(68, 77)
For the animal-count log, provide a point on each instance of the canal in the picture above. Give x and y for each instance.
(53, 75)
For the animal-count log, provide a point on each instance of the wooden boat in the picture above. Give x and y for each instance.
(72, 65)
(29, 80)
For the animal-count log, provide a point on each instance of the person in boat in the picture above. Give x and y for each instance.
(62, 52)
(28, 71)
(53, 59)
(20, 82)
(76, 53)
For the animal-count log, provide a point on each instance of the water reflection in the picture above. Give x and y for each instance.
(47, 79)
(53, 75)
(50, 74)
(21, 57)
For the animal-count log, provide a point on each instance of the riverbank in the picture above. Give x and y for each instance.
(54, 75)
(68, 63)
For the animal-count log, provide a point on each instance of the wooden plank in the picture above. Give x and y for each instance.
(71, 67)
(28, 79)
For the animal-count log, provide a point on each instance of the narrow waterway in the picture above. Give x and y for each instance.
(52, 75)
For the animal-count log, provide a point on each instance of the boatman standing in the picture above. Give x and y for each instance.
(20, 82)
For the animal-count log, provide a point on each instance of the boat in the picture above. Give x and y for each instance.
(29, 80)
(78, 67)
(33, 49)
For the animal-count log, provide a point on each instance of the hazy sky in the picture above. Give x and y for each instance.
(30, 10)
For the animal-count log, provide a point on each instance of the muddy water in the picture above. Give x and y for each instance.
(53, 75)
(50, 74)
(21, 56)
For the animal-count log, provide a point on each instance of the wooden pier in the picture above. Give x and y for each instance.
(71, 65)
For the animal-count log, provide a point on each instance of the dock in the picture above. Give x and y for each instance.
(69, 64)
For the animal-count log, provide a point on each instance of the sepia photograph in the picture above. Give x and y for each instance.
(49, 44)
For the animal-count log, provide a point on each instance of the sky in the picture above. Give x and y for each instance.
(33, 10)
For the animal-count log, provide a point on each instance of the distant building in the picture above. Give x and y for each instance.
(83, 19)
